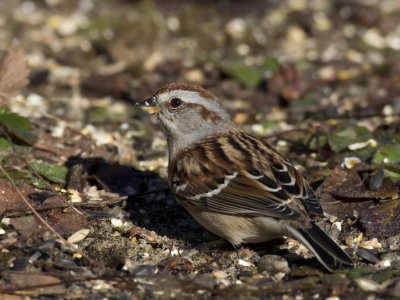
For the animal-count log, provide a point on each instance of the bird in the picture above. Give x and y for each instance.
(234, 184)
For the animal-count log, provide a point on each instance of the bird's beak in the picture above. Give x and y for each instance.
(149, 105)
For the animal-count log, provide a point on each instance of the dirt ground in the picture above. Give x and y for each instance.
(318, 79)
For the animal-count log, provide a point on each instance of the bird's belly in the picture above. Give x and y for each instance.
(235, 229)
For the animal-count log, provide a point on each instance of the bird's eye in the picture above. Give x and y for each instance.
(175, 102)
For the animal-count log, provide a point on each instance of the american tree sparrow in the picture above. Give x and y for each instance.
(234, 184)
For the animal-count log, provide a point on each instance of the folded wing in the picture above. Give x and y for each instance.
(239, 174)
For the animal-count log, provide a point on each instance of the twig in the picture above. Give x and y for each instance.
(31, 207)
(48, 185)
(64, 241)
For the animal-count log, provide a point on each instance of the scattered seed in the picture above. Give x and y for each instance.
(367, 285)
(78, 236)
(220, 274)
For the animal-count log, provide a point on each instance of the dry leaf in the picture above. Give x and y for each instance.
(10, 200)
(342, 193)
(381, 220)
(45, 284)
(13, 71)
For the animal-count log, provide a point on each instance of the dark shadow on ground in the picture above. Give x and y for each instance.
(158, 211)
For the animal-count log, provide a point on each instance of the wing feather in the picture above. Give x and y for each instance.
(238, 174)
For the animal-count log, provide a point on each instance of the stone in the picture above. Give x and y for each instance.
(273, 264)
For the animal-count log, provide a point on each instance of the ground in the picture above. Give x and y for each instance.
(317, 79)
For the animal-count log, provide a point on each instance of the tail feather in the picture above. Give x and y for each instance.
(331, 256)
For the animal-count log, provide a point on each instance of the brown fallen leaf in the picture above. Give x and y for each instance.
(13, 71)
(45, 284)
(10, 200)
(382, 220)
(66, 223)
(342, 192)
(387, 190)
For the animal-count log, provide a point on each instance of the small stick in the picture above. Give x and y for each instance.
(64, 241)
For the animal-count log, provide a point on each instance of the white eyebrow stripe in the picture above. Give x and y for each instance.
(193, 97)
(216, 191)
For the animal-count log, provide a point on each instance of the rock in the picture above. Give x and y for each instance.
(144, 271)
(25, 225)
(273, 264)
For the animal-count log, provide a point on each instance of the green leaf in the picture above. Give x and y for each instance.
(99, 24)
(270, 64)
(394, 176)
(98, 114)
(339, 140)
(54, 173)
(311, 140)
(304, 101)
(389, 154)
(4, 144)
(247, 75)
(389, 136)
(359, 271)
(17, 125)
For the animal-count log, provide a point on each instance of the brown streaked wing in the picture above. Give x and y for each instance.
(237, 185)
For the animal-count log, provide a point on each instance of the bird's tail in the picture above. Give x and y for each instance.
(331, 256)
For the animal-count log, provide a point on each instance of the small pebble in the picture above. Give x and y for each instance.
(6, 221)
(273, 264)
(129, 265)
(384, 263)
(367, 285)
(244, 263)
(117, 222)
(220, 274)
(145, 271)
(337, 225)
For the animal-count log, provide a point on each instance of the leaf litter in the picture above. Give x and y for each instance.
(331, 107)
